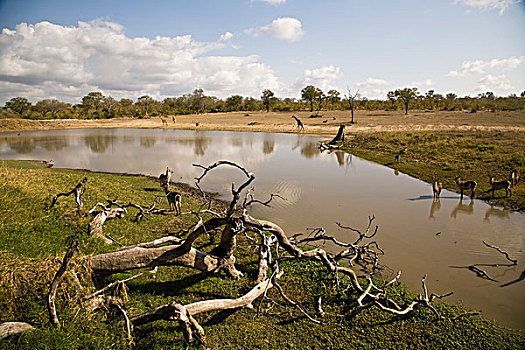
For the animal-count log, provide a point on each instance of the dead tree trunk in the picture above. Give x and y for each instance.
(13, 328)
(53, 318)
(95, 226)
(77, 191)
(340, 137)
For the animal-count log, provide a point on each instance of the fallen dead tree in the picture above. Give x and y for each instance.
(269, 237)
(78, 190)
(101, 216)
(275, 249)
(13, 328)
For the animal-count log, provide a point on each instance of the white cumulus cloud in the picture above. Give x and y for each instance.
(481, 67)
(284, 28)
(500, 5)
(319, 77)
(498, 84)
(226, 36)
(425, 83)
(45, 60)
(373, 87)
(372, 82)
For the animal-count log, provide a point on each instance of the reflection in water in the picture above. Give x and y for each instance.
(396, 172)
(268, 146)
(519, 279)
(54, 144)
(99, 143)
(502, 213)
(340, 155)
(434, 208)
(148, 141)
(309, 149)
(128, 139)
(462, 208)
(236, 141)
(22, 145)
(326, 193)
(201, 144)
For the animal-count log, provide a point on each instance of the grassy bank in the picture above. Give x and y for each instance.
(33, 239)
(471, 154)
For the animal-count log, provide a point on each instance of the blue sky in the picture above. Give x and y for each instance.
(65, 49)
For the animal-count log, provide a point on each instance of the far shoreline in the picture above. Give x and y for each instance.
(324, 125)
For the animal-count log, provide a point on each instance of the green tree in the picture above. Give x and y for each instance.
(429, 98)
(406, 95)
(266, 98)
(392, 97)
(199, 102)
(92, 102)
(110, 106)
(333, 97)
(310, 93)
(251, 104)
(51, 106)
(126, 106)
(489, 95)
(18, 105)
(234, 103)
(145, 103)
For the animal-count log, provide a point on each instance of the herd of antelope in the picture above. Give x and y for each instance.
(471, 185)
(174, 197)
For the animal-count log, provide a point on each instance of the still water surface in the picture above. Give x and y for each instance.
(417, 234)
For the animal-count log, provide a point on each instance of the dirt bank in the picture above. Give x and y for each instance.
(323, 125)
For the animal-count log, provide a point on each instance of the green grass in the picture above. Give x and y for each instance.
(473, 155)
(33, 239)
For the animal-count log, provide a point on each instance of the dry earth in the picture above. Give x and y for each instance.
(323, 125)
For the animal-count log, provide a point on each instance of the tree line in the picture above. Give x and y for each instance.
(97, 106)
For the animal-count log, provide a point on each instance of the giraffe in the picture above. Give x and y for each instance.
(300, 125)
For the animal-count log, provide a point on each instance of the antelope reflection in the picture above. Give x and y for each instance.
(463, 208)
(434, 208)
(495, 212)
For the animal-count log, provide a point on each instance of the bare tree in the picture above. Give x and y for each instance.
(275, 247)
(352, 97)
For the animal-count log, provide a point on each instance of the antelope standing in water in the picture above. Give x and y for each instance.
(436, 188)
(174, 199)
(165, 178)
(466, 185)
(500, 185)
